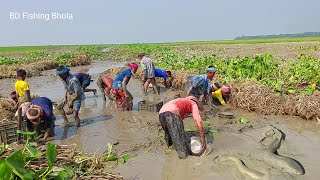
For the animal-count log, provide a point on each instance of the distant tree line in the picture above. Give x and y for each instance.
(305, 34)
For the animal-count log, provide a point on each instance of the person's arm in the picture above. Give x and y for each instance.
(28, 122)
(144, 67)
(198, 121)
(46, 133)
(77, 93)
(209, 102)
(124, 85)
(214, 87)
(190, 89)
(49, 126)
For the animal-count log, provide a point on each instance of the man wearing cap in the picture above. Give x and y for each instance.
(148, 73)
(199, 85)
(171, 117)
(39, 116)
(73, 95)
(119, 87)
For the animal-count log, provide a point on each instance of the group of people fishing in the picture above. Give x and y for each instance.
(38, 113)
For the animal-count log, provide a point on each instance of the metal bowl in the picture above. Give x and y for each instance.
(195, 145)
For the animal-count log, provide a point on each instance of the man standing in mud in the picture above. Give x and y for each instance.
(198, 85)
(171, 117)
(148, 73)
(73, 95)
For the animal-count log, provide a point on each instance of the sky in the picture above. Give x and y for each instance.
(138, 21)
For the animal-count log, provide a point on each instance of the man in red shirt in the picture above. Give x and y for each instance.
(171, 117)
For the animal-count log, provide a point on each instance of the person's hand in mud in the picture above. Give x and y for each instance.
(70, 103)
(39, 137)
(210, 104)
(203, 142)
(204, 116)
(46, 134)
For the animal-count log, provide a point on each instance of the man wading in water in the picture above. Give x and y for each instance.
(171, 117)
(73, 95)
(148, 73)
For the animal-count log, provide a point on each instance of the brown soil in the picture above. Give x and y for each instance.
(255, 97)
(6, 109)
(34, 69)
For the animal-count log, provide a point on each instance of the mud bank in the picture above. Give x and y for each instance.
(138, 134)
(35, 68)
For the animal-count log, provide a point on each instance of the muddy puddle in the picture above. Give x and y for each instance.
(137, 133)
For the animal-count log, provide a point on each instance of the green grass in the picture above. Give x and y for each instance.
(17, 49)
(249, 41)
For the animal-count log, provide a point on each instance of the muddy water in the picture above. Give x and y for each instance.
(137, 134)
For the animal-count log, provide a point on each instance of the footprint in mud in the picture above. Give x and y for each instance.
(64, 131)
(268, 155)
(96, 119)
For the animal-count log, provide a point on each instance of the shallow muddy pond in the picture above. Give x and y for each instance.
(138, 134)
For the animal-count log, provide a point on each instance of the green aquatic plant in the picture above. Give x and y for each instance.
(15, 165)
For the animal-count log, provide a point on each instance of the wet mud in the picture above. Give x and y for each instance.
(139, 134)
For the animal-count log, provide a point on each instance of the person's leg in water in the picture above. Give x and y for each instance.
(76, 109)
(163, 122)
(90, 90)
(146, 86)
(176, 131)
(129, 101)
(142, 85)
(154, 85)
(85, 84)
(101, 87)
(62, 112)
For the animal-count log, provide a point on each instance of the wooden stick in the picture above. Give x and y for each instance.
(19, 122)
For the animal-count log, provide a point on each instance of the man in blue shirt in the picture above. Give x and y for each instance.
(198, 85)
(39, 117)
(166, 75)
(85, 80)
(123, 97)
